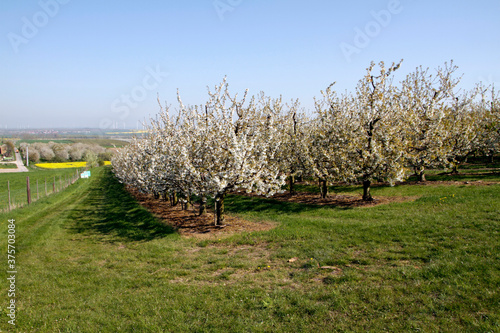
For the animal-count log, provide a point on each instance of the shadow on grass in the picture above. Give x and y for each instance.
(431, 177)
(110, 211)
(332, 189)
(241, 204)
(464, 177)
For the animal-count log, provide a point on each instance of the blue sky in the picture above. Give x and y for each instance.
(75, 63)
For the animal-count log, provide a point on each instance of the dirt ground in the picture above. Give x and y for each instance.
(338, 200)
(189, 223)
(451, 182)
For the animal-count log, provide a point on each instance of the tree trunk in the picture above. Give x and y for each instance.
(173, 199)
(291, 183)
(323, 188)
(156, 195)
(421, 176)
(366, 190)
(219, 209)
(203, 205)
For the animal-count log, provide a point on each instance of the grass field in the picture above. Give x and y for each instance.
(30, 141)
(107, 143)
(8, 166)
(18, 185)
(89, 259)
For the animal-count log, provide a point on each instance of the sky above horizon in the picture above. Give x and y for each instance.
(104, 64)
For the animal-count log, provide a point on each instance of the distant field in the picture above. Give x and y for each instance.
(30, 141)
(8, 166)
(127, 132)
(65, 165)
(106, 143)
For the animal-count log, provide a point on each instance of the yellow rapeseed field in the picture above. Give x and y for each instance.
(66, 165)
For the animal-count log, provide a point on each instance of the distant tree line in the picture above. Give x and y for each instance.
(60, 152)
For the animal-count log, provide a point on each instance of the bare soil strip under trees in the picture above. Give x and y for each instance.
(190, 223)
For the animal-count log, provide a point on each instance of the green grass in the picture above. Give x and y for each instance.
(18, 183)
(89, 259)
(30, 141)
(8, 166)
(107, 143)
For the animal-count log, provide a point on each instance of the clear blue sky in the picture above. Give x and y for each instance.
(75, 63)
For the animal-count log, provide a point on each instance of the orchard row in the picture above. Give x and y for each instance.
(381, 131)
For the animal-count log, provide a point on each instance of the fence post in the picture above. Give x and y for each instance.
(8, 189)
(28, 189)
(54, 185)
(37, 192)
(45, 186)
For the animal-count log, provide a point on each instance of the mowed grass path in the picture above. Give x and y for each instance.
(89, 259)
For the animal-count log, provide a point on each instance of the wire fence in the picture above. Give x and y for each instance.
(17, 194)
